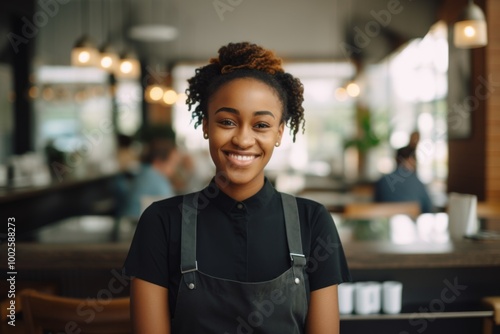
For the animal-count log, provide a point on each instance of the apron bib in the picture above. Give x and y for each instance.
(207, 304)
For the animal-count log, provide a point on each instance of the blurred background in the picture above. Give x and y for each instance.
(92, 104)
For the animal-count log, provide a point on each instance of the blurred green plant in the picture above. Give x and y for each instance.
(366, 137)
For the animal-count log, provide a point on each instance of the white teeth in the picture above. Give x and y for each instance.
(241, 157)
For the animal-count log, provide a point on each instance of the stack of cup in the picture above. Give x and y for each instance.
(370, 297)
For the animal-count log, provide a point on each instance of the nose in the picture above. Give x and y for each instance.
(243, 138)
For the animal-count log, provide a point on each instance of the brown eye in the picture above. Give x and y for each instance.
(227, 122)
(262, 125)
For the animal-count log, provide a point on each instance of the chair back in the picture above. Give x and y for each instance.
(380, 210)
(43, 312)
(489, 210)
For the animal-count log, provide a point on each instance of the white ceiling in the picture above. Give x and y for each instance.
(295, 29)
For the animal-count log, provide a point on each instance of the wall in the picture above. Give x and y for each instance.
(493, 103)
(474, 162)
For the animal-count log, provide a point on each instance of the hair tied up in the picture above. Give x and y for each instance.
(245, 60)
(236, 56)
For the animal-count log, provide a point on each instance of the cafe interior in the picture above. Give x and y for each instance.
(85, 85)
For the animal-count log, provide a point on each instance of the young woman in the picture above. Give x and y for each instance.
(238, 256)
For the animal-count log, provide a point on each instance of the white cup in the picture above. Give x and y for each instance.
(346, 298)
(376, 303)
(392, 297)
(367, 297)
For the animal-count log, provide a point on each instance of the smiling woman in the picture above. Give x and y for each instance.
(238, 256)
(243, 125)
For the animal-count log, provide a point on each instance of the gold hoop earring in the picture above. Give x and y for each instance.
(205, 135)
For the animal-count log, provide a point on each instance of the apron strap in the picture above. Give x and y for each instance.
(188, 239)
(188, 236)
(293, 235)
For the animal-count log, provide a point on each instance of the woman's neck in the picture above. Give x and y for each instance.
(240, 192)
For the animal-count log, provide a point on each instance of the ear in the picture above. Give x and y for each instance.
(281, 129)
(205, 125)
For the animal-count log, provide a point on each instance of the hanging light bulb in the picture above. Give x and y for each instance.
(154, 93)
(128, 68)
(109, 60)
(169, 97)
(84, 53)
(353, 89)
(470, 31)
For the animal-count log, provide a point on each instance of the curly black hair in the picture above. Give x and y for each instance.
(246, 60)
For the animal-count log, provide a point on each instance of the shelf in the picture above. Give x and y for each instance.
(419, 315)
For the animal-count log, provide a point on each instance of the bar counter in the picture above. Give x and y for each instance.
(36, 206)
(85, 242)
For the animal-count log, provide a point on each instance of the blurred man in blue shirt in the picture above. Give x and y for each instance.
(152, 181)
(403, 184)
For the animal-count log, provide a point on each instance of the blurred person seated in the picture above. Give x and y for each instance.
(127, 153)
(403, 184)
(128, 165)
(152, 180)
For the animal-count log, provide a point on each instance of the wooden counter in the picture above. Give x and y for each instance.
(458, 254)
(360, 255)
(365, 248)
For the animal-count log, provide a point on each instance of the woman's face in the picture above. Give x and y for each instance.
(243, 126)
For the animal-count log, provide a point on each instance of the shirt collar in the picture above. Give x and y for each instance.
(251, 204)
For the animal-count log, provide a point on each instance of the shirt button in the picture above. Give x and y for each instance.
(239, 206)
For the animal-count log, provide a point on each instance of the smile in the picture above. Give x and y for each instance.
(241, 159)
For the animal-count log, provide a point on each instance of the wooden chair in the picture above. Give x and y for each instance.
(490, 213)
(61, 314)
(488, 210)
(380, 210)
(489, 324)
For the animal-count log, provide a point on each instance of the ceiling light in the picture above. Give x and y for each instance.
(153, 33)
(129, 67)
(353, 89)
(109, 60)
(84, 53)
(470, 31)
(154, 93)
(169, 97)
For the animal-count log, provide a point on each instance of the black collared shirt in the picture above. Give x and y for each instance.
(243, 241)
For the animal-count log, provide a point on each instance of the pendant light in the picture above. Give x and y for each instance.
(470, 31)
(109, 60)
(84, 53)
(129, 67)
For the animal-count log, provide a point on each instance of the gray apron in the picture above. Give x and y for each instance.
(207, 304)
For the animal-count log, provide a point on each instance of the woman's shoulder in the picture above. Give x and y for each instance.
(166, 207)
(173, 201)
(309, 204)
(311, 210)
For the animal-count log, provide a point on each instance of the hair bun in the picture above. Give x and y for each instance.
(245, 55)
